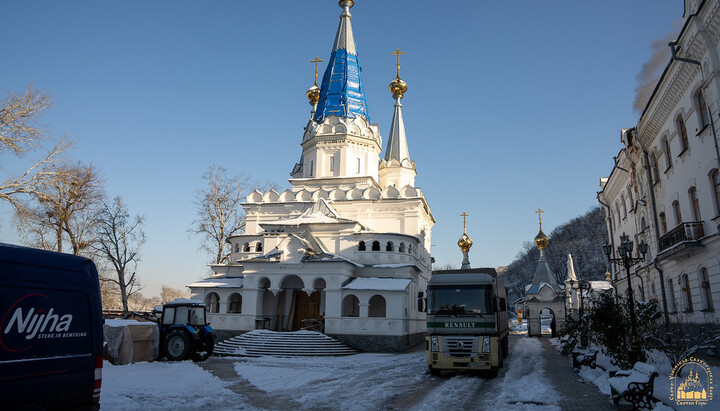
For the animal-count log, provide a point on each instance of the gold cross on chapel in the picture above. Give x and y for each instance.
(316, 61)
(463, 215)
(539, 213)
(398, 53)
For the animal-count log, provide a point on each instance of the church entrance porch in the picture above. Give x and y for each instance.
(297, 305)
(548, 325)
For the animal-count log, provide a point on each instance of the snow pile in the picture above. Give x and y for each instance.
(162, 386)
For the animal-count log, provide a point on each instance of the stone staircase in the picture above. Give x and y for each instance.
(258, 343)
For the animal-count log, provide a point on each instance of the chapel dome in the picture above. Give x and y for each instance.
(313, 94)
(465, 242)
(541, 240)
(398, 87)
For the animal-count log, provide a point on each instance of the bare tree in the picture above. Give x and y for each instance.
(219, 212)
(63, 210)
(119, 240)
(170, 294)
(20, 133)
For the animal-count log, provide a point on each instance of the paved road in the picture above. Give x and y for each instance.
(402, 384)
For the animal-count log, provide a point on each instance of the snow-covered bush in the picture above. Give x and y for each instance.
(682, 339)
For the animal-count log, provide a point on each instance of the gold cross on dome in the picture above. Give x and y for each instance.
(463, 215)
(316, 61)
(398, 53)
(539, 213)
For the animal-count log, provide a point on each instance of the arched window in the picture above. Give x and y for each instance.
(236, 248)
(715, 182)
(705, 291)
(663, 223)
(212, 302)
(687, 296)
(358, 166)
(671, 296)
(377, 306)
(258, 247)
(655, 168)
(411, 249)
(694, 204)
(668, 153)
(682, 132)
(630, 197)
(389, 246)
(246, 247)
(678, 213)
(376, 246)
(643, 223)
(361, 246)
(235, 304)
(702, 109)
(401, 249)
(350, 306)
(624, 205)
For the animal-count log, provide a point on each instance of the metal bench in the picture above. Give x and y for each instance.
(634, 386)
(581, 358)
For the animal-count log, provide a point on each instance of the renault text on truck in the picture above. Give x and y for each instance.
(51, 338)
(467, 321)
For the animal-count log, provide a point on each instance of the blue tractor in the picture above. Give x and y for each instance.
(184, 333)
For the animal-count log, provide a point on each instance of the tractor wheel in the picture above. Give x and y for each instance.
(204, 350)
(177, 346)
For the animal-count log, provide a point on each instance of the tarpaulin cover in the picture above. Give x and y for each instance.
(342, 92)
(130, 341)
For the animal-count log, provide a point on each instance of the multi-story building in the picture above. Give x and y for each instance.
(665, 186)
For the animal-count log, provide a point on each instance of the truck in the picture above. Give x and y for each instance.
(51, 330)
(467, 321)
(184, 333)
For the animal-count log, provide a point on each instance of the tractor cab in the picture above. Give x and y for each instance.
(184, 331)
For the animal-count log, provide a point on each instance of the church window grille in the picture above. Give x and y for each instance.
(401, 249)
(668, 154)
(376, 306)
(715, 181)
(389, 246)
(694, 204)
(687, 295)
(671, 296)
(258, 247)
(702, 109)
(682, 132)
(235, 304)
(663, 223)
(212, 302)
(376, 246)
(350, 306)
(705, 291)
(678, 213)
(246, 247)
(361, 246)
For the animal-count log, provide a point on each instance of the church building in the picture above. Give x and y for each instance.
(348, 245)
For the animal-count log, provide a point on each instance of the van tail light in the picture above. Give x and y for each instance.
(98, 379)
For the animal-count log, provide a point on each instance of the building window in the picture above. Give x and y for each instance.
(715, 182)
(668, 154)
(663, 223)
(361, 246)
(678, 213)
(694, 205)
(682, 132)
(411, 249)
(212, 302)
(655, 168)
(332, 163)
(630, 197)
(358, 166)
(624, 205)
(258, 247)
(671, 296)
(350, 306)
(705, 291)
(246, 247)
(235, 304)
(687, 296)
(376, 246)
(312, 165)
(643, 224)
(389, 246)
(702, 109)
(236, 248)
(376, 306)
(401, 249)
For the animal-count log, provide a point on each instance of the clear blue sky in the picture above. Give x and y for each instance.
(511, 106)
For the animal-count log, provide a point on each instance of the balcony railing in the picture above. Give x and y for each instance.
(692, 231)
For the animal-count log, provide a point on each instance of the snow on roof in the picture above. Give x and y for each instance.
(314, 218)
(393, 265)
(235, 282)
(184, 301)
(375, 283)
(600, 285)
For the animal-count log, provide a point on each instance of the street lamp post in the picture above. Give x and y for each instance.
(583, 335)
(626, 259)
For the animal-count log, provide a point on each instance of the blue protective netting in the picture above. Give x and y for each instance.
(342, 92)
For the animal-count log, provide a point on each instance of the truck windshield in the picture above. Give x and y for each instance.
(197, 315)
(460, 299)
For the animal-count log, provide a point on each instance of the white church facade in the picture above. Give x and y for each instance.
(348, 245)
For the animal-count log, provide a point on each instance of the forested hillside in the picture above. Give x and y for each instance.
(583, 237)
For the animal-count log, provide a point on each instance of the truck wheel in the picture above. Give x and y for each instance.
(177, 346)
(434, 372)
(204, 351)
(505, 347)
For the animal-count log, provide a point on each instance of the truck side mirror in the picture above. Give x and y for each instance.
(421, 306)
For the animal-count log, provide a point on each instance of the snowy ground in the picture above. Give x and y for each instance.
(359, 382)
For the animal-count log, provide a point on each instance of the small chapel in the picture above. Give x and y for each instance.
(347, 246)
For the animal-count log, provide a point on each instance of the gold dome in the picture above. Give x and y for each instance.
(398, 87)
(465, 243)
(313, 94)
(541, 240)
